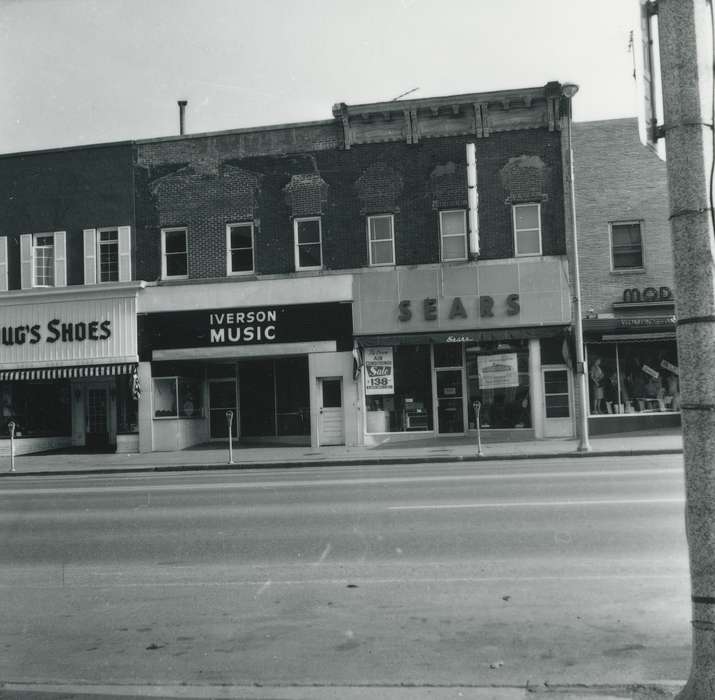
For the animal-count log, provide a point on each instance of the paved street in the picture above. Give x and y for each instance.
(565, 571)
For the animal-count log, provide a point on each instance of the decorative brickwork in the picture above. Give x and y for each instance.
(306, 195)
(524, 178)
(449, 185)
(379, 189)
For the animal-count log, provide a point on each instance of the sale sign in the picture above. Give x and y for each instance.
(379, 369)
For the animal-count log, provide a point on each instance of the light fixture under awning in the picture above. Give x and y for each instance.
(23, 375)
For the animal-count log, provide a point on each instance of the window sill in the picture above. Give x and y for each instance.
(629, 271)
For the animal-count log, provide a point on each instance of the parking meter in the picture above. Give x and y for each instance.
(229, 420)
(11, 429)
(477, 421)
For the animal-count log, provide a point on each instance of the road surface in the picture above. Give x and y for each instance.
(561, 571)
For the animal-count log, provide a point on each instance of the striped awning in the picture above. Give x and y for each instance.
(23, 375)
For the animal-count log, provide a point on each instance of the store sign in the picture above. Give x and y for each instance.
(484, 307)
(379, 366)
(649, 294)
(55, 331)
(247, 326)
(498, 371)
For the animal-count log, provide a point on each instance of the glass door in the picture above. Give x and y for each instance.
(222, 397)
(449, 378)
(97, 435)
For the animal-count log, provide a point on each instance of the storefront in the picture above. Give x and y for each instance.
(282, 370)
(632, 360)
(68, 360)
(438, 343)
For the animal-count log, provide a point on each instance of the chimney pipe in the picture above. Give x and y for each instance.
(182, 112)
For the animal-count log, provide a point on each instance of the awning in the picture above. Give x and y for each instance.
(472, 336)
(21, 375)
(630, 326)
(634, 338)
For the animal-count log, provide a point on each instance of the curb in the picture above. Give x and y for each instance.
(352, 462)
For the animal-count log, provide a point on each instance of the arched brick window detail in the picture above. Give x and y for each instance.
(524, 179)
(306, 195)
(448, 184)
(379, 189)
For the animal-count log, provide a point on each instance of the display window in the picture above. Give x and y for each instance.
(498, 378)
(633, 377)
(178, 397)
(408, 405)
(39, 409)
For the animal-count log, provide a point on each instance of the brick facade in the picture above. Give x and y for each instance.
(618, 179)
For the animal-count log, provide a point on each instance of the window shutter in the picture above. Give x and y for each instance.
(90, 255)
(26, 280)
(3, 264)
(60, 259)
(125, 253)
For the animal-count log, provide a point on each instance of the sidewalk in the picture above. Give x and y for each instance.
(443, 449)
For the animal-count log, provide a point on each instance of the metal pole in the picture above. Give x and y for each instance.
(584, 445)
(11, 428)
(685, 35)
(229, 420)
(477, 410)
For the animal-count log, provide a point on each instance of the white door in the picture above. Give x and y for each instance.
(558, 421)
(331, 424)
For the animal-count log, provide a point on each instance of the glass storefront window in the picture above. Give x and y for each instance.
(178, 397)
(633, 377)
(39, 409)
(127, 405)
(409, 408)
(504, 387)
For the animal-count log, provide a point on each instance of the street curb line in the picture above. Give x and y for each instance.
(350, 462)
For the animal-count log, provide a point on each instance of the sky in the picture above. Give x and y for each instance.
(77, 72)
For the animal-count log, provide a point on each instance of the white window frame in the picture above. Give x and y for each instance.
(164, 231)
(296, 244)
(442, 235)
(230, 272)
(100, 245)
(392, 239)
(35, 247)
(629, 222)
(514, 207)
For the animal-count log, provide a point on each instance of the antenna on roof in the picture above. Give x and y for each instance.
(394, 99)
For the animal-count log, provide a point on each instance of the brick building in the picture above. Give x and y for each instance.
(626, 266)
(339, 282)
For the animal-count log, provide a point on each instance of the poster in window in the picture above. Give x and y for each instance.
(498, 371)
(379, 371)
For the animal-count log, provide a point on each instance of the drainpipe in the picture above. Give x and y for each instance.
(472, 200)
(182, 113)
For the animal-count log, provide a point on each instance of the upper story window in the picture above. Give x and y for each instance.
(626, 246)
(453, 234)
(174, 253)
(527, 229)
(42, 260)
(308, 253)
(239, 248)
(381, 239)
(107, 254)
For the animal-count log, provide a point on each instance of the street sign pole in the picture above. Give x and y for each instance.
(11, 428)
(229, 420)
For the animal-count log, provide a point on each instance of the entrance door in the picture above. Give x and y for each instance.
(557, 402)
(222, 397)
(331, 426)
(450, 402)
(97, 435)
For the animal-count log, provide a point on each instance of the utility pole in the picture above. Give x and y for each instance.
(686, 56)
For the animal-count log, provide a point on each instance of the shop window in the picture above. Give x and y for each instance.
(453, 234)
(178, 397)
(498, 377)
(626, 246)
(239, 248)
(527, 229)
(409, 407)
(174, 254)
(381, 239)
(39, 409)
(308, 255)
(627, 378)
